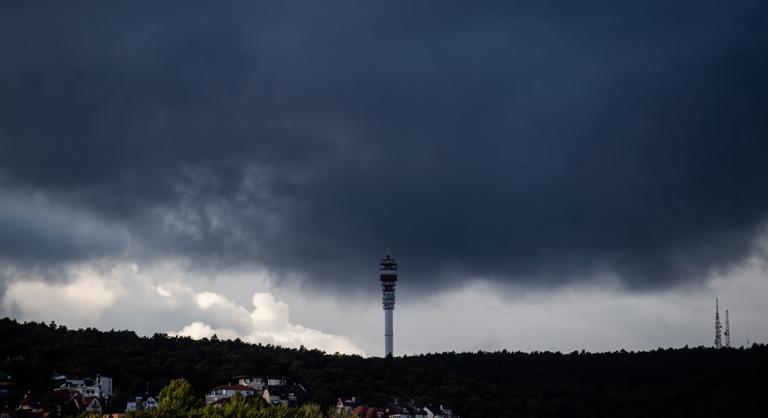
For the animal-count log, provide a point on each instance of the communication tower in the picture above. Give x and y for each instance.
(727, 330)
(718, 327)
(388, 278)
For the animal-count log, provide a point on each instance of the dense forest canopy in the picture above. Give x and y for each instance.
(698, 381)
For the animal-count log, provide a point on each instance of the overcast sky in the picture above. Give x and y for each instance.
(550, 176)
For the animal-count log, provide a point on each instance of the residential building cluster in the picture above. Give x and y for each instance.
(274, 390)
(70, 395)
(75, 395)
(394, 409)
(141, 403)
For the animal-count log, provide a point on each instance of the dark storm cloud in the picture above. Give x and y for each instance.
(529, 143)
(35, 235)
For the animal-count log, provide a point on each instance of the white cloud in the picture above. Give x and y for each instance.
(159, 299)
(84, 298)
(268, 323)
(198, 330)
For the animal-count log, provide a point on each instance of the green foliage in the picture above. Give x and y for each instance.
(177, 400)
(237, 406)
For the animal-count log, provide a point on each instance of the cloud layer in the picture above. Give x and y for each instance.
(266, 324)
(476, 316)
(530, 144)
(79, 301)
(155, 301)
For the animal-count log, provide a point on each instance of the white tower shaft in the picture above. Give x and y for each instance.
(388, 333)
(727, 330)
(388, 278)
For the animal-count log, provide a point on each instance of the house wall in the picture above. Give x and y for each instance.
(105, 384)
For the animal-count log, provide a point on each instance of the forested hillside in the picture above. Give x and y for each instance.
(666, 382)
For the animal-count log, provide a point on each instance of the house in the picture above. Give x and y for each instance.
(286, 395)
(438, 411)
(256, 382)
(79, 403)
(105, 385)
(66, 401)
(141, 404)
(150, 403)
(347, 403)
(30, 405)
(99, 386)
(91, 404)
(260, 382)
(228, 391)
(89, 391)
(135, 405)
(219, 402)
(405, 410)
(368, 412)
(68, 381)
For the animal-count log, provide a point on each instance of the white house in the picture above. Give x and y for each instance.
(227, 391)
(405, 410)
(286, 395)
(150, 403)
(100, 386)
(347, 403)
(89, 391)
(105, 385)
(256, 382)
(437, 411)
(140, 404)
(260, 382)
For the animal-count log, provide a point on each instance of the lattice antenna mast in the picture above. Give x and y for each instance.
(727, 330)
(718, 327)
(388, 278)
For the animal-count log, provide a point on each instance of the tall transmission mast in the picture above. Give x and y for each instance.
(388, 278)
(718, 327)
(727, 330)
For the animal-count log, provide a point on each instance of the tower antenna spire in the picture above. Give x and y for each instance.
(718, 327)
(727, 331)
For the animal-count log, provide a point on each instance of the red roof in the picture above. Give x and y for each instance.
(88, 400)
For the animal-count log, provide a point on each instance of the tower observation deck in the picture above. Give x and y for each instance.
(388, 278)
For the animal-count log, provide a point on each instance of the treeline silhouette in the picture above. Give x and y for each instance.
(701, 382)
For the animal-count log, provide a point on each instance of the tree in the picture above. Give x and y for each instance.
(177, 400)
